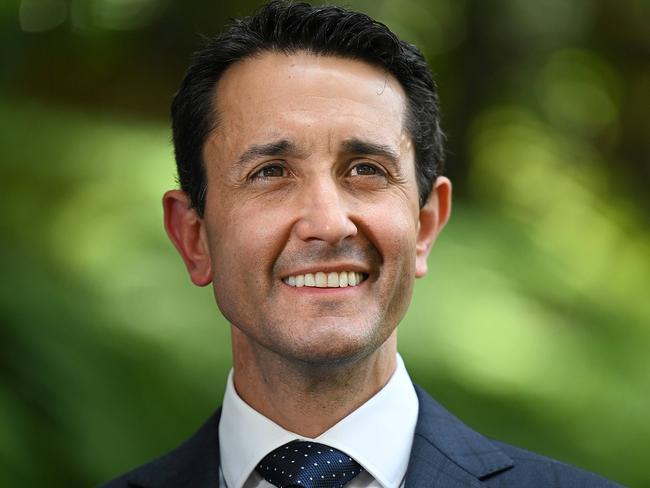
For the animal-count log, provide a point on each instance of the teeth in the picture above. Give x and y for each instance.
(326, 280)
(321, 280)
(333, 280)
(343, 279)
(309, 280)
(352, 278)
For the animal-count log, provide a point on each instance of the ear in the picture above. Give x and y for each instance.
(186, 230)
(433, 217)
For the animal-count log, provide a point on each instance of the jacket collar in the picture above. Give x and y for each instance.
(447, 453)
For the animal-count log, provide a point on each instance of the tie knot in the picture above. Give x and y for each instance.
(308, 464)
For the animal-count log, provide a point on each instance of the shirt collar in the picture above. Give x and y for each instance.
(378, 435)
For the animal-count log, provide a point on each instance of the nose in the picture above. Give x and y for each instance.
(324, 214)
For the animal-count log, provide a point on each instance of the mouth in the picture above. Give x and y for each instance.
(320, 279)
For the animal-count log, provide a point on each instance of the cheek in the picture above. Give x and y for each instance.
(394, 234)
(246, 241)
(241, 249)
(392, 228)
(399, 267)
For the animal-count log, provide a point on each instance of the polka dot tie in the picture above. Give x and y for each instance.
(308, 464)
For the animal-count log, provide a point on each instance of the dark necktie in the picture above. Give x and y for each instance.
(309, 465)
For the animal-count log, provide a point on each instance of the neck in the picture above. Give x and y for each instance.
(306, 398)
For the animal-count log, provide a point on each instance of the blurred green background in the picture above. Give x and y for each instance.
(533, 325)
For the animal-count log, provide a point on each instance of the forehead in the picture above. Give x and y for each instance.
(309, 98)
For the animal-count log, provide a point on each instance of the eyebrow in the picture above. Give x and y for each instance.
(279, 148)
(285, 147)
(359, 146)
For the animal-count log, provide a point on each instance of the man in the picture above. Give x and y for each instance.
(309, 154)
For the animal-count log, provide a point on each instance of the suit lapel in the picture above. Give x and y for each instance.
(446, 453)
(194, 464)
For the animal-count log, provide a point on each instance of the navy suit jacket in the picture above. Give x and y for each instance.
(445, 454)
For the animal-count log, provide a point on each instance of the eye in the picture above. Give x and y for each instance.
(366, 169)
(270, 171)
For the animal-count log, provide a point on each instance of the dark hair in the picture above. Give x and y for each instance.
(324, 30)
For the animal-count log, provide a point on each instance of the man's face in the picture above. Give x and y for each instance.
(311, 175)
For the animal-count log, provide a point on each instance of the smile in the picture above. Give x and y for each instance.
(333, 279)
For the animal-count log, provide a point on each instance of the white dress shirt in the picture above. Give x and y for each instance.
(378, 435)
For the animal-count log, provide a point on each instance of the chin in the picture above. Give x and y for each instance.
(336, 344)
